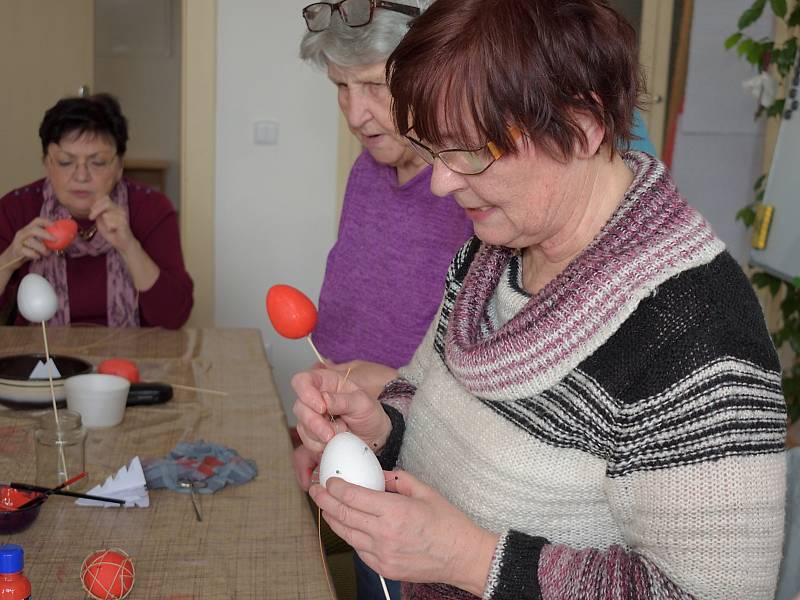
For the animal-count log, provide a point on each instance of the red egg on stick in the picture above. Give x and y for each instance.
(64, 230)
(292, 314)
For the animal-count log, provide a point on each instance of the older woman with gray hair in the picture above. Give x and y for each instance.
(396, 238)
(385, 274)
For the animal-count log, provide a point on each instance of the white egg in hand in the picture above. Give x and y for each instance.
(348, 457)
(36, 298)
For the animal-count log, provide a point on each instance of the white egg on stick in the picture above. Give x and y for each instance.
(349, 457)
(37, 302)
(36, 298)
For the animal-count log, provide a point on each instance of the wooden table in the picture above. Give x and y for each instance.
(257, 540)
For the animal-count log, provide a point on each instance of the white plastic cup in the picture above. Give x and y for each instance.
(99, 399)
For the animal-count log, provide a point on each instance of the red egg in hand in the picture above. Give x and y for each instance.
(291, 312)
(64, 230)
(120, 366)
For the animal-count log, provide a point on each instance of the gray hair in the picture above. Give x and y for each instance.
(358, 46)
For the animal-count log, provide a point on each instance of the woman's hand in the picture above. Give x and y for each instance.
(323, 392)
(369, 376)
(27, 244)
(112, 223)
(304, 462)
(412, 535)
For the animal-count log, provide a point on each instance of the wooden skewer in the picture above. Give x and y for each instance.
(314, 348)
(190, 388)
(319, 511)
(346, 375)
(55, 409)
(319, 515)
(339, 387)
(322, 552)
(383, 583)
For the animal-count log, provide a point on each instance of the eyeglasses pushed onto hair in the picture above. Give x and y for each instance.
(354, 13)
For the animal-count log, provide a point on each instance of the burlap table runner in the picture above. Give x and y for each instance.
(257, 540)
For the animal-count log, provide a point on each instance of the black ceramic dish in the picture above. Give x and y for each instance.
(17, 388)
(18, 391)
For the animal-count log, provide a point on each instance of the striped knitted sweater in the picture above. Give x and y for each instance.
(622, 429)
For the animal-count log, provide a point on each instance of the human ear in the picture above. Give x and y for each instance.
(594, 132)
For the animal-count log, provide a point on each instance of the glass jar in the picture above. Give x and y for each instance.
(59, 457)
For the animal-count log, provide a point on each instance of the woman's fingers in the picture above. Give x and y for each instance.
(100, 207)
(308, 386)
(354, 536)
(314, 418)
(304, 462)
(31, 246)
(112, 223)
(352, 520)
(323, 394)
(310, 439)
(339, 492)
(28, 240)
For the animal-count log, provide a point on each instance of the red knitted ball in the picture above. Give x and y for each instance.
(107, 574)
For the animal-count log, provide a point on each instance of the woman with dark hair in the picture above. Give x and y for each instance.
(596, 410)
(125, 267)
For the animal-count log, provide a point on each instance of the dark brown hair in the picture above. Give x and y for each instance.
(468, 69)
(97, 115)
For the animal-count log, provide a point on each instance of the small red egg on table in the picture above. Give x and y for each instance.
(120, 366)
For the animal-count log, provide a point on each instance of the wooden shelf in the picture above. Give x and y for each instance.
(150, 172)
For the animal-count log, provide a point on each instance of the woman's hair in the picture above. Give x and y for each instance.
(99, 114)
(469, 69)
(358, 46)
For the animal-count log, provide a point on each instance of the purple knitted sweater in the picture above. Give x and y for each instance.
(385, 274)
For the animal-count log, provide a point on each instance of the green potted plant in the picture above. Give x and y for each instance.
(774, 62)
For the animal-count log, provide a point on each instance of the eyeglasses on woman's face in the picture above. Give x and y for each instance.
(458, 160)
(97, 164)
(354, 13)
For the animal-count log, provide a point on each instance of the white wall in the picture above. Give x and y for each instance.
(718, 145)
(138, 59)
(275, 205)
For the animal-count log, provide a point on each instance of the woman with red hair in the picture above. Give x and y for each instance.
(596, 410)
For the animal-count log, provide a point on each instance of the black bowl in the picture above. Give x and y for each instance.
(15, 520)
(18, 391)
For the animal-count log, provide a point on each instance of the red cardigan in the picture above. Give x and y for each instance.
(153, 222)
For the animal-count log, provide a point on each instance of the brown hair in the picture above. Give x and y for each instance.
(483, 65)
(96, 115)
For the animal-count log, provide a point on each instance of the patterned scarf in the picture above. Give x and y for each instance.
(122, 299)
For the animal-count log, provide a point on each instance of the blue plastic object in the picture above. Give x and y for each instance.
(12, 559)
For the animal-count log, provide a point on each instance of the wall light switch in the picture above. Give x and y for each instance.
(265, 133)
